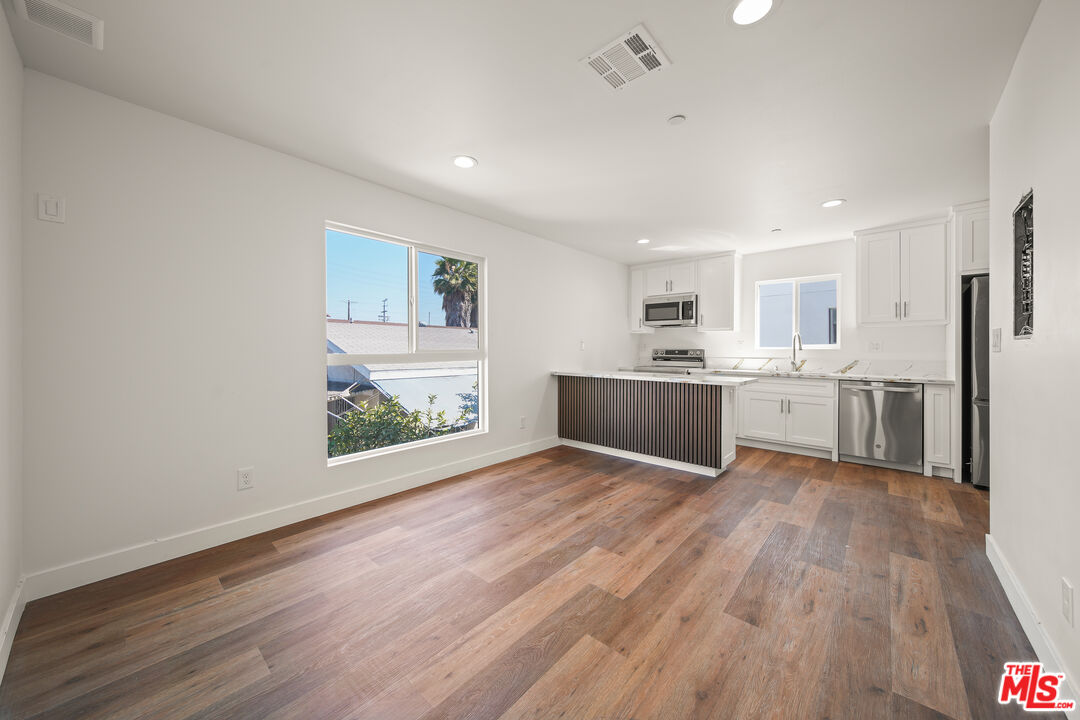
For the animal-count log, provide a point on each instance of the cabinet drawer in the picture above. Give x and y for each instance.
(795, 386)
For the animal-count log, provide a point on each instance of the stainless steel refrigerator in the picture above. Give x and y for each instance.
(976, 357)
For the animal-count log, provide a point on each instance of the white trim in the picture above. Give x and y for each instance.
(345, 359)
(906, 225)
(1029, 622)
(11, 623)
(651, 459)
(81, 572)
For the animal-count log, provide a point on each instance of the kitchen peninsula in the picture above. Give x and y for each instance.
(680, 421)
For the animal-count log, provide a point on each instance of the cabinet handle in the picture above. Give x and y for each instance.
(905, 308)
(896, 309)
(781, 406)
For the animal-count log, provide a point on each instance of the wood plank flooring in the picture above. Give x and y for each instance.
(563, 584)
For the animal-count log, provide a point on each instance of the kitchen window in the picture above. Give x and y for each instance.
(809, 305)
(405, 344)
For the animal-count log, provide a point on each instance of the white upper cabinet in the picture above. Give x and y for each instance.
(903, 275)
(924, 265)
(671, 279)
(718, 293)
(973, 237)
(879, 277)
(636, 311)
(683, 278)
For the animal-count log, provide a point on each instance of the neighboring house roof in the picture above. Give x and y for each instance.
(412, 383)
(367, 337)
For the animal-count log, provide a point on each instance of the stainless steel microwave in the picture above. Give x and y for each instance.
(671, 311)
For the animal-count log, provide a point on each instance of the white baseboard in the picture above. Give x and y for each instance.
(1029, 621)
(82, 572)
(12, 615)
(651, 459)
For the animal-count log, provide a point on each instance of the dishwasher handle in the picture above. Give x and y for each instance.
(885, 388)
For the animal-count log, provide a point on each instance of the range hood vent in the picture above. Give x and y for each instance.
(628, 58)
(64, 19)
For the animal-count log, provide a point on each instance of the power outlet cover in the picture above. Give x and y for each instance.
(245, 478)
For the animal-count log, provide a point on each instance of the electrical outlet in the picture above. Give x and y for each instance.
(522, 425)
(995, 340)
(875, 346)
(245, 478)
(582, 346)
(1067, 600)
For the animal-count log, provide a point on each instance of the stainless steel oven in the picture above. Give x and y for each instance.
(671, 311)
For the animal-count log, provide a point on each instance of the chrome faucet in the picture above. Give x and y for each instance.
(796, 344)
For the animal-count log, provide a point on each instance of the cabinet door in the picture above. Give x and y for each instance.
(810, 421)
(682, 278)
(716, 293)
(974, 241)
(657, 281)
(879, 278)
(923, 274)
(937, 422)
(761, 415)
(635, 313)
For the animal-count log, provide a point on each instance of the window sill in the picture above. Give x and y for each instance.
(392, 449)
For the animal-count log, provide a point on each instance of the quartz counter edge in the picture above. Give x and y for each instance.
(723, 380)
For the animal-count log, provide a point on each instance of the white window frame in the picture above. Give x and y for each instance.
(415, 353)
(796, 282)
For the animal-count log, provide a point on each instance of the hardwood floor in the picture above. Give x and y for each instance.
(563, 584)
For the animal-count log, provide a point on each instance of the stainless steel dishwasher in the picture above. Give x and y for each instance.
(881, 423)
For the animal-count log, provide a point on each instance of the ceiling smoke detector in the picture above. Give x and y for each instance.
(627, 58)
(64, 19)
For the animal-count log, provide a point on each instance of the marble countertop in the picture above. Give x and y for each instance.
(698, 378)
(824, 375)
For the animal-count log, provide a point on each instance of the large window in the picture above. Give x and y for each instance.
(404, 341)
(809, 306)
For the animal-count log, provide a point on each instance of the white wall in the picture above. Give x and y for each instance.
(916, 343)
(1034, 386)
(11, 89)
(175, 332)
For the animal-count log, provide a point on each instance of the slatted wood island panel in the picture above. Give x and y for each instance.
(676, 419)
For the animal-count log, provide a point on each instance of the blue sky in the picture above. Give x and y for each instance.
(366, 271)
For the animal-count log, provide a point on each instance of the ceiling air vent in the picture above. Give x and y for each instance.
(64, 19)
(628, 58)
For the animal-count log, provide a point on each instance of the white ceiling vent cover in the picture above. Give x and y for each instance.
(64, 19)
(628, 58)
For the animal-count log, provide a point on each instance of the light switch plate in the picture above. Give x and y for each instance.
(995, 340)
(50, 208)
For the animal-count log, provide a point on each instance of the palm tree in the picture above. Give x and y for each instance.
(456, 281)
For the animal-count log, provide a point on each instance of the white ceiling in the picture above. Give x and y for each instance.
(883, 102)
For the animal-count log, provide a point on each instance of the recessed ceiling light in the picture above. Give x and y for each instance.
(833, 203)
(465, 161)
(676, 120)
(748, 12)
(643, 241)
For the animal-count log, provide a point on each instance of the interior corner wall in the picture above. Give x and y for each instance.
(1034, 388)
(175, 332)
(11, 108)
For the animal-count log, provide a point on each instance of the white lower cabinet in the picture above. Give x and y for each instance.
(761, 415)
(793, 411)
(810, 421)
(937, 427)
